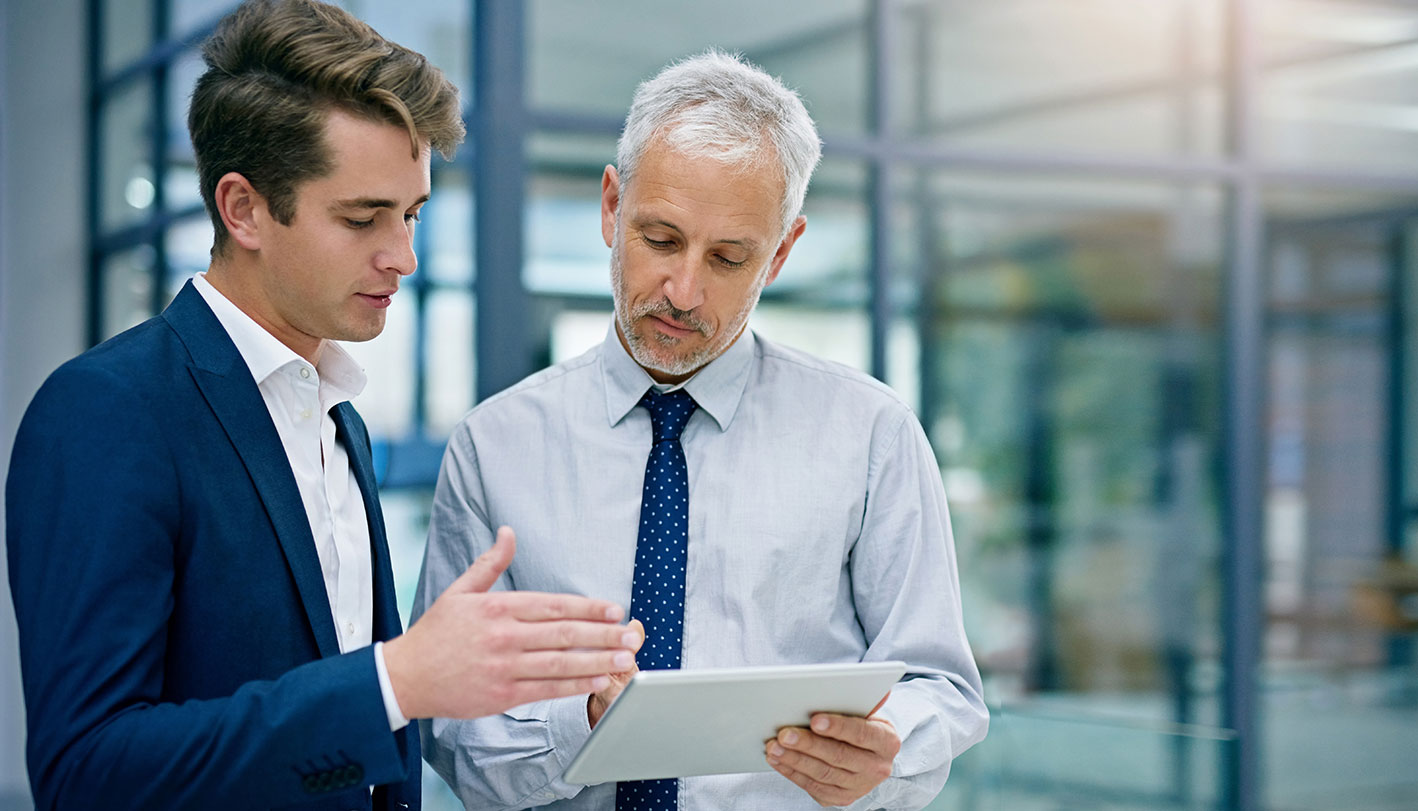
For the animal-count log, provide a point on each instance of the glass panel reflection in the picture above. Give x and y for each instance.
(126, 189)
(1098, 76)
(127, 289)
(1068, 377)
(1341, 586)
(817, 47)
(1338, 84)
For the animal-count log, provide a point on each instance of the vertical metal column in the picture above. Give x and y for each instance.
(879, 192)
(503, 344)
(1244, 386)
(1400, 249)
(157, 158)
(93, 147)
(1397, 440)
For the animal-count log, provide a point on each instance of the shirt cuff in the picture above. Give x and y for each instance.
(397, 721)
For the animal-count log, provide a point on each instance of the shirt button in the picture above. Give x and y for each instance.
(349, 629)
(305, 415)
(305, 372)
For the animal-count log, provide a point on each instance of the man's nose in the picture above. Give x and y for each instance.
(398, 255)
(684, 287)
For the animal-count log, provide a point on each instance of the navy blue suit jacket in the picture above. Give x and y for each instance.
(176, 640)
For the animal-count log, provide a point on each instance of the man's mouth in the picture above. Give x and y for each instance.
(378, 299)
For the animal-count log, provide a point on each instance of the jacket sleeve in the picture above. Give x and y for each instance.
(94, 511)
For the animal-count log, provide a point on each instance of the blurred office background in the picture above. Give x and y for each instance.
(1144, 268)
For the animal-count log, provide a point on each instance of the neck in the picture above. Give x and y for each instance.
(236, 279)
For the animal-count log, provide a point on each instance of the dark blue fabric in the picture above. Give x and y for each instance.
(176, 641)
(661, 552)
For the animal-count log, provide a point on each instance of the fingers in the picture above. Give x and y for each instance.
(543, 689)
(826, 765)
(534, 606)
(489, 566)
(561, 665)
(825, 794)
(826, 751)
(873, 734)
(571, 634)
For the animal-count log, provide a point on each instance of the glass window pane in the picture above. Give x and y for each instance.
(126, 190)
(818, 48)
(1340, 83)
(1113, 77)
(387, 404)
(565, 251)
(1341, 575)
(446, 240)
(127, 289)
(127, 32)
(450, 364)
(576, 331)
(841, 335)
(438, 30)
(181, 187)
(1069, 372)
(187, 15)
(189, 247)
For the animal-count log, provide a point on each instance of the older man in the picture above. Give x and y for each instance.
(755, 505)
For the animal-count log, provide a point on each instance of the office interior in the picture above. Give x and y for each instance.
(1145, 270)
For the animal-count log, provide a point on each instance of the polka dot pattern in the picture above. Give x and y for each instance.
(661, 552)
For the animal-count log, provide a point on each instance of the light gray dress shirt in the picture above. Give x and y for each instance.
(818, 532)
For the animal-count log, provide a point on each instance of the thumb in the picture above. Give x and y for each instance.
(489, 566)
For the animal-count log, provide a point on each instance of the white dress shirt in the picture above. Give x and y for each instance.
(299, 397)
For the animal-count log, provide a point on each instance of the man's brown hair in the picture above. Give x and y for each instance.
(276, 69)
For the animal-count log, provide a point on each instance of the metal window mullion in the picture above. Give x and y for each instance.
(1244, 383)
(879, 187)
(94, 164)
(157, 157)
(503, 346)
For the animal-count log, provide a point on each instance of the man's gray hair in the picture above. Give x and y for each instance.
(718, 105)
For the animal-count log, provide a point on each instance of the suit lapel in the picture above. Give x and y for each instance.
(226, 383)
(350, 431)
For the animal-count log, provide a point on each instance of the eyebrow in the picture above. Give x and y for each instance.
(750, 245)
(371, 202)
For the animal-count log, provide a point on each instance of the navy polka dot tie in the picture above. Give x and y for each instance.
(661, 551)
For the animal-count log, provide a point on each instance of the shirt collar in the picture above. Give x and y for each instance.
(717, 387)
(265, 354)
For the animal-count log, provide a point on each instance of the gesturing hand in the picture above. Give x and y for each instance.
(839, 759)
(600, 701)
(477, 653)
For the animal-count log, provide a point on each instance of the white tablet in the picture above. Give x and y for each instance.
(677, 723)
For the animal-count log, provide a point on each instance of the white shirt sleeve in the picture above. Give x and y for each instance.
(397, 721)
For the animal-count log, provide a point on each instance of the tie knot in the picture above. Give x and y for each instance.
(668, 413)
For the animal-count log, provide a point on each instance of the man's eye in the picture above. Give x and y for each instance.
(412, 217)
(729, 263)
(359, 223)
(657, 244)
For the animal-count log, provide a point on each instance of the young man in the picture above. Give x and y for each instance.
(753, 504)
(197, 555)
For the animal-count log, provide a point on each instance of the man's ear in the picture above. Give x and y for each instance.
(243, 209)
(785, 247)
(610, 201)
